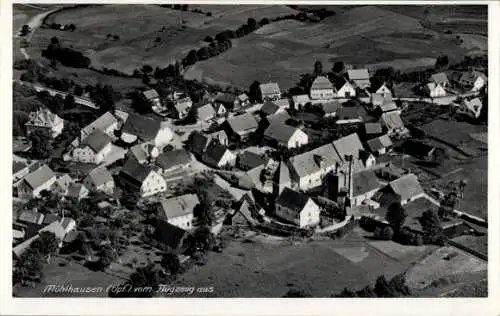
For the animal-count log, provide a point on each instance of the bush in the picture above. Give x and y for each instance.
(387, 233)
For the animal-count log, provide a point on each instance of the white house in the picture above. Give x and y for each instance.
(173, 161)
(344, 89)
(141, 179)
(218, 155)
(269, 91)
(145, 129)
(300, 100)
(440, 79)
(285, 136)
(178, 210)
(93, 149)
(44, 119)
(182, 107)
(297, 208)
(407, 187)
(220, 137)
(384, 90)
(242, 125)
(321, 89)
(473, 80)
(434, 90)
(41, 179)
(100, 179)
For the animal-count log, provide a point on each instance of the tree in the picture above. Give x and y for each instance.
(47, 244)
(264, 21)
(254, 91)
(208, 39)
(461, 185)
(204, 214)
(384, 288)
(69, 102)
(30, 264)
(25, 30)
(191, 58)
(387, 233)
(170, 262)
(346, 293)
(72, 27)
(78, 90)
(318, 68)
(367, 291)
(338, 67)
(431, 223)
(106, 257)
(398, 283)
(396, 216)
(297, 293)
(252, 24)
(145, 79)
(143, 278)
(41, 146)
(147, 69)
(203, 239)
(116, 37)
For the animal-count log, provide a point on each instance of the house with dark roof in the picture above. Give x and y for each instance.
(93, 149)
(143, 180)
(372, 129)
(44, 119)
(330, 108)
(19, 170)
(170, 236)
(381, 89)
(348, 145)
(281, 135)
(101, 180)
(41, 179)
(244, 213)
(241, 125)
(77, 191)
(139, 128)
(359, 77)
(269, 91)
(321, 89)
(178, 210)
(219, 136)
(406, 188)
(173, 161)
(224, 101)
(144, 152)
(379, 145)
(297, 208)
(365, 185)
(198, 143)
(248, 160)
(473, 80)
(106, 123)
(269, 108)
(217, 155)
(351, 114)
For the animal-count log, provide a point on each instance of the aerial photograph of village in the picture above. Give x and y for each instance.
(268, 151)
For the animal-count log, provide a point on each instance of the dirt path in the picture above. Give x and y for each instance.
(34, 23)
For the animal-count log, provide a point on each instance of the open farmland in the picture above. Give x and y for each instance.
(288, 48)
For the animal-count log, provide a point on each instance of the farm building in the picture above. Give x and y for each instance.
(224, 101)
(377, 99)
(473, 80)
(269, 91)
(349, 145)
(300, 100)
(106, 123)
(297, 208)
(404, 189)
(359, 77)
(178, 210)
(434, 90)
(173, 161)
(152, 97)
(321, 89)
(100, 179)
(142, 128)
(44, 119)
(380, 145)
(217, 155)
(248, 160)
(170, 236)
(285, 136)
(365, 185)
(372, 129)
(344, 88)
(382, 89)
(77, 191)
(351, 114)
(241, 125)
(141, 179)
(93, 149)
(41, 179)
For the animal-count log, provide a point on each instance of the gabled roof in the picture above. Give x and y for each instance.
(373, 128)
(169, 234)
(143, 127)
(74, 190)
(39, 176)
(214, 153)
(292, 200)
(269, 88)
(351, 112)
(173, 158)
(331, 107)
(217, 135)
(198, 142)
(30, 216)
(135, 172)
(64, 181)
(472, 104)
(358, 74)
(55, 228)
(97, 140)
(278, 118)
(380, 98)
(269, 108)
(100, 175)
(471, 76)
(179, 206)
(142, 151)
(379, 143)
(392, 120)
(348, 145)
(225, 98)
(340, 82)
(388, 106)
(314, 160)
(282, 103)
(301, 99)
(281, 133)
(242, 123)
(439, 78)
(206, 112)
(407, 186)
(150, 94)
(43, 118)
(321, 83)
(364, 182)
(18, 166)
(101, 123)
(250, 159)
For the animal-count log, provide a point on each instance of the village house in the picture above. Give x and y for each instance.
(321, 89)
(349, 145)
(471, 108)
(145, 129)
(31, 217)
(219, 136)
(61, 185)
(151, 96)
(217, 155)
(402, 190)
(178, 210)
(248, 160)
(241, 125)
(93, 149)
(77, 191)
(269, 92)
(387, 107)
(198, 143)
(394, 124)
(170, 236)
(144, 152)
(269, 108)
(181, 107)
(364, 186)
(173, 161)
(44, 119)
(297, 208)
(434, 90)
(473, 80)
(223, 102)
(19, 170)
(100, 180)
(344, 88)
(372, 129)
(359, 77)
(244, 213)
(242, 100)
(206, 112)
(380, 145)
(383, 90)
(106, 123)
(351, 114)
(141, 179)
(300, 100)
(330, 108)
(378, 99)
(41, 179)
(307, 170)
(279, 135)
(440, 79)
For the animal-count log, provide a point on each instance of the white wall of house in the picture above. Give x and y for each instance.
(322, 94)
(314, 179)
(176, 168)
(358, 199)
(85, 132)
(298, 139)
(438, 91)
(107, 187)
(184, 222)
(384, 90)
(164, 137)
(478, 84)
(153, 184)
(310, 214)
(57, 128)
(227, 159)
(87, 155)
(413, 198)
(25, 191)
(346, 91)
(20, 174)
(84, 192)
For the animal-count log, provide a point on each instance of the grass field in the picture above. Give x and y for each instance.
(322, 267)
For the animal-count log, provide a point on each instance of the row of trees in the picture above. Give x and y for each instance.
(215, 48)
(66, 56)
(395, 287)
